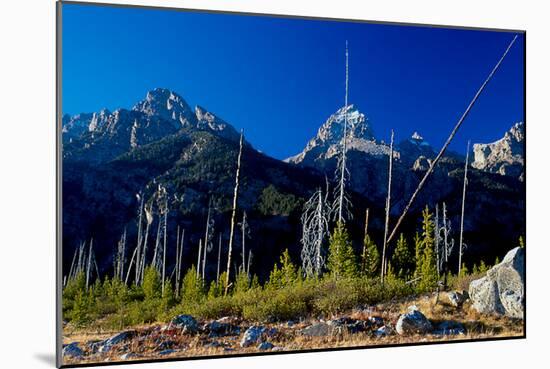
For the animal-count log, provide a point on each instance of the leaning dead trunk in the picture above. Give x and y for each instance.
(233, 212)
(447, 143)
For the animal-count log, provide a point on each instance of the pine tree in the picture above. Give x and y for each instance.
(284, 276)
(341, 259)
(402, 258)
(152, 284)
(192, 287)
(429, 275)
(370, 259)
(463, 270)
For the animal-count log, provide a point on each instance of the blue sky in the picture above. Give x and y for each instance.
(280, 79)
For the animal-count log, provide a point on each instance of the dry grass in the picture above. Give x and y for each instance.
(288, 338)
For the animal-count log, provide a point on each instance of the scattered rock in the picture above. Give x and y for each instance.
(376, 321)
(457, 298)
(501, 291)
(72, 350)
(167, 352)
(128, 356)
(252, 335)
(449, 328)
(165, 345)
(217, 329)
(349, 324)
(265, 346)
(413, 322)
(107, 345)
(318, 330)
(382, 331)
(120, 337)
(187, 323)
(214, 344)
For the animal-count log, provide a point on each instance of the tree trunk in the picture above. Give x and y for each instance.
(460, 244)
(387, 219)
(233, 213)
(449, 139)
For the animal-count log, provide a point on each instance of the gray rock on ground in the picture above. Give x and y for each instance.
(413, 322)
(502, 290)
(449, 328)
(186, 322)
(72, 350)
(252, 335)
(265, 346)
(457, 298)
(320, 329)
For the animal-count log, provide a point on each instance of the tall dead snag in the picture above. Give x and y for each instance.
(164, 234)
(149, 219)
(448, 244)
(461, 243)
(387, 219)
(314, 230)
(248, 263)
(199, 259)
(437, 241)
(451, 136)
(89, 263)
(219, 258)
(179, 255)
(245, 233)
(208, 234)
(139, 242)
(233, 212)
(366, 232)
(341, 202)
(120, 257)
(73, 265)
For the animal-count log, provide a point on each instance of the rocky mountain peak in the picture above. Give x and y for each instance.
(326, 143)
(358, 126)
(504, 156)
(209, 121)
(168, 105)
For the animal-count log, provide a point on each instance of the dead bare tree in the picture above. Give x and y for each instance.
(89, 263)
(73, 265)
(208, 234)
(314, 230)
(233, 212)
(465, 184)
(245, 233)
(437, 239)
(199, 254)
(219, 258)
(448, 244)
(149, 219)
(120, 257)
(139, 241)
(449, 139)
(387, 218)
(366, 232)
(248, 263)
(341, 202)
(179, 258)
